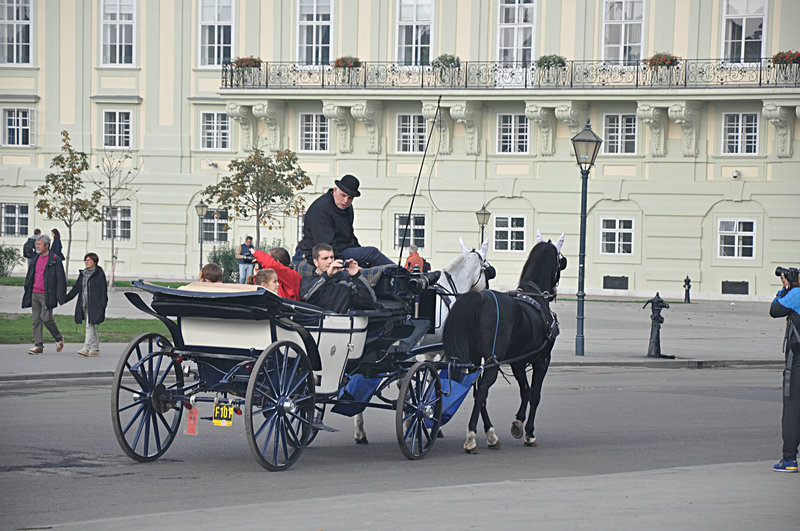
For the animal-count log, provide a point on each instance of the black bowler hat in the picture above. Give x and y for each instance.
(349, 185)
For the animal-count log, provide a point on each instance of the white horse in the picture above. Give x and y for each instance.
(467, 272)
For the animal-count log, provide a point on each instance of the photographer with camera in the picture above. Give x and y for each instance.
(245, 257)
(337, 284)
(787, 304)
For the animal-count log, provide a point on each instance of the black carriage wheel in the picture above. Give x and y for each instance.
(419, 410)
(279, 405)
(145, 419)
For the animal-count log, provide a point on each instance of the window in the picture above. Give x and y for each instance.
(737, 238)
(216, 32)
(314, 32)
(740, 133)
(744, 27)
(14, 219)
(117, 224)
(620, 134)
(414, 20)
(515, 32)
(18, 127)
(622, 31)
(411, 132)
(512, 133)
(118, 31)
(216, 130)
(414, 232)
(15, 32)
(314, 132)
(215, 226)
(616, 236)
(117, 129)
(509, 233)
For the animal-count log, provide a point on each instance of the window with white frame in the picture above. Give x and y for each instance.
(414, 22)
(512, 133)
(14, 219)
(15, 32)
(620, 134)
(616, 236)
(509, 233)
(411, 132)
(314, 132)
(117, 129)
(216, 32)
(623, 22)
(740, 133)
(119, 17)
(117, 223)
(409, 231)
(515, 32)
(216, 132)
(18, 127)
(743, 36)
(314, 31)
(737, 238)
(215, 226)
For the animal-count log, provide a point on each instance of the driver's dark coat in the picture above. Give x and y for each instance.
(324, 222)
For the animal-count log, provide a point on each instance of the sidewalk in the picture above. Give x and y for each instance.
(701, 334)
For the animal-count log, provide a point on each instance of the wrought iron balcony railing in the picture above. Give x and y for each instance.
(688, 73)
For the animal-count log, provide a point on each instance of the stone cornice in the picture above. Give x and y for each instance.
(656, 118)
(370, 113)
(687, 115)
(545, 120)
(470, 115)
(272, 113)
(244, 115)
(340, 116)
(444, 125)
(783, 119)
(573, 114)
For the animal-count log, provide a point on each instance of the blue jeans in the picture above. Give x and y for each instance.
(245, 270)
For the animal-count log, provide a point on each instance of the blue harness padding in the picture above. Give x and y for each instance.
(454, 392)
(358, 389)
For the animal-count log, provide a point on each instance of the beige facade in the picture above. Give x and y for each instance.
(699, 174)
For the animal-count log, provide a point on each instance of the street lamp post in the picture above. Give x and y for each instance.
(586, 145)
(201, 208)
(483, 216)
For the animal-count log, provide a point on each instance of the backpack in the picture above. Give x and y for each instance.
(29, 249)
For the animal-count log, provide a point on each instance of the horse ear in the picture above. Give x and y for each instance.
(464, 248)
(538, 236)
(484, 248)
(560, 242)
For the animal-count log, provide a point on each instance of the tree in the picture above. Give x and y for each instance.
(62, 194)
(115, 186)
(261, 187)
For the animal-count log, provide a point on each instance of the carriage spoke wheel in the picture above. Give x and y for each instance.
(419, 410)
(145, 417)
(279, 405)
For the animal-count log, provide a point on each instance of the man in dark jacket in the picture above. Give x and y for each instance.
(336, 284)
(29, 249)
(45, 288)
(329, 220)
(787, 304)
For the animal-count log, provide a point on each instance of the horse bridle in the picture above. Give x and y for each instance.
(550, 297)
(487, 269)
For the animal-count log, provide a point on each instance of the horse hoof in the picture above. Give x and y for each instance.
(362, 440)
(492, 440)
(516, 429)
(472, 450)
(530, 441)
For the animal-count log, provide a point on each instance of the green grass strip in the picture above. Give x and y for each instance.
(18, 328)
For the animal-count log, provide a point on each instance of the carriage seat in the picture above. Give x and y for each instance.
(218, 287)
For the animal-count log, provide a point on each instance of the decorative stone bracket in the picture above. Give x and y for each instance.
(545, 120)
(340, 116)
(444, 125)
(656, 119)
(687, 115)
(470, 115)
(244, 115)
(783, 119)
(573, 114)
(272, 113)
(370, 113)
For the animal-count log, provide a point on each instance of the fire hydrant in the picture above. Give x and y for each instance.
(654, 348)
(687, 285)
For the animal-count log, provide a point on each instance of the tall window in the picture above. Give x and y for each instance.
(118, 30)
(411, 132)
(413, 230)
(215, 226)
(509, 233)
(216, 130)
(620, 134)
(740, 133)
(14, 219)
(18, 127)
(15, 32)
(616, 236)
(737, 238)
(314, 32)
(117, 129)
(622, 31)
(314, 132)
(744, 30)
(512, 133)
(414, 21)
(117, 223)
(216, 31)
(516, 31)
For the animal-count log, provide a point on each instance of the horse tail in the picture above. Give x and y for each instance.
(460, 334)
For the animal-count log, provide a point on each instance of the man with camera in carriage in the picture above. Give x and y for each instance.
(337, 284)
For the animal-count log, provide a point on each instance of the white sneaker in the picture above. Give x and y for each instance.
(94, 353)
(84, 351)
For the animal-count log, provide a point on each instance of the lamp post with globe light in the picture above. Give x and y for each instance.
(483, 216)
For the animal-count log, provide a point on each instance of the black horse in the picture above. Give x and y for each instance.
(516, 328)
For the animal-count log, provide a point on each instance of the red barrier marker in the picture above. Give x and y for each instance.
(191, 422)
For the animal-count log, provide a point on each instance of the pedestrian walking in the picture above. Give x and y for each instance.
(92, 292)
(55, 246)
(45, 288)
(29, 249)
(245, 257)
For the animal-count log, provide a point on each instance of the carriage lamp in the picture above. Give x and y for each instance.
(201, 208)
(586, 145)
(483, 216)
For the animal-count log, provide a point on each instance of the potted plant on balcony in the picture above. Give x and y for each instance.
(661, 65)
(549, 68)
(784, 63)
(445, 67)
(345, 66)
(246, 70)
(247, 62)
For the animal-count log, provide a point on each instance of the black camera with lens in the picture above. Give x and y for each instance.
(790, 273)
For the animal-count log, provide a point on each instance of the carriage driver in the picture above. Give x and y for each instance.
(329, 220)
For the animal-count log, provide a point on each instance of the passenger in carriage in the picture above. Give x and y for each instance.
(211, 272)
(336, 284)
(277, 259)
(268, 278)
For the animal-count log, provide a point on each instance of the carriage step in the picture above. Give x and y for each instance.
(320, 426)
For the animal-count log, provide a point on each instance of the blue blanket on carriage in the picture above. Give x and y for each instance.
(358, 389)
(455, 391)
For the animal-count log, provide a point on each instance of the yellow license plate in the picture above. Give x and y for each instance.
(223, 415)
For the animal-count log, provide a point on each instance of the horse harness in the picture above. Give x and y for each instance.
(487, 269)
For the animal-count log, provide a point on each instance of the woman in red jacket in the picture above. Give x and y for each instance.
(278, 259)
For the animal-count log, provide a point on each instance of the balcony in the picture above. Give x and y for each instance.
(688, 73)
